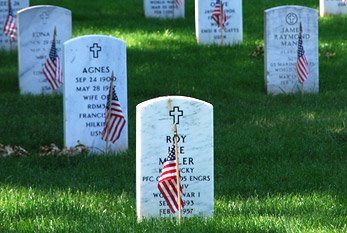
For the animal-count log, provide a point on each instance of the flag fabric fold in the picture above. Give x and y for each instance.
(301, 62)
(167, 183)
(10, 24)
(216, 14)
(116, 123)
(52, 68)
(179, 3)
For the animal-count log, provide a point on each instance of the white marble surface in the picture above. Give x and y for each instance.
(282, 27)
(207, 30)
(35, 35)
(162, 9)
(332, 7)
(154, 135)
(89, 62)
(16, 6)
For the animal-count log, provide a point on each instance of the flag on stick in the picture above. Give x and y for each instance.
(10, 25)
(114, 120)
(301, 63)
(218, 14)
(167, 184)
(52, 68)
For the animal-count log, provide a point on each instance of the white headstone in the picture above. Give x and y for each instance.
(35, 36)
(332, 7)
(207, 29)
(154, 136)
(88, 65)
(282, 28)
(16, 5)
(163, 9)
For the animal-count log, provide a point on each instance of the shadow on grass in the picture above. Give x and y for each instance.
(114, 174)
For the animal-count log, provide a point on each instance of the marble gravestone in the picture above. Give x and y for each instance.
(163, 9)
(16, 5)
(332, 7)
(154, 136)
(282, 29)
(35, 36)
(207, 30)
(88, 65)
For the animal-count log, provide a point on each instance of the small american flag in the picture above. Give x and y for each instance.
(116, 123)
(52, 69)
(344, 1)
(301, 63)
(167, 184)
(10, 25)
(216, 14)
(180, 2)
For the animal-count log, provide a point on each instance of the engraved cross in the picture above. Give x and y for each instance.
(95, 49)
(176, 113)
(292, 18)
(44, 17)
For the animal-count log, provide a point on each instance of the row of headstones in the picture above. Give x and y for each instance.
(163, 8)
(281, 25)
(206, 28)
(35, 35)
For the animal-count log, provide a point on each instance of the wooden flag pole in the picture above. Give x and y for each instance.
(221, 21)
(109, 114)
(8, 7)
(54, 41)
(178, 177)
(302, 84)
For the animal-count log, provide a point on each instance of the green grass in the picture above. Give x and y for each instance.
(280, 161)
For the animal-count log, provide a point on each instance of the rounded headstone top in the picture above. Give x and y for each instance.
(40, 7)
(172, 98)
(296, 7)
(94, 36)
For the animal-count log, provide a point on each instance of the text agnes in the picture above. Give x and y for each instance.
(93, 84)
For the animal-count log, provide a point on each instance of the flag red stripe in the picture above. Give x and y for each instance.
(163, 188)
(49, 68)
(301, 67)
(120, 130)
(115, 124)
(53, 85)
(10, 27)
(173, 191)
(5, 29)
(170, 191)
(47, 71)
(167, 182)
(117, 130)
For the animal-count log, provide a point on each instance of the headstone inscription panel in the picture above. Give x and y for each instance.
(208, 30)
(163, 9)
(35, 36)
(88, 65)
(16, 5)
(282, 29)
(154, 136)
(332, 7)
